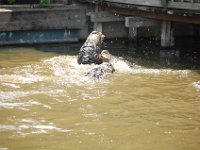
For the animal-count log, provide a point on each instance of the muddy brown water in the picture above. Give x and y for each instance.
(47, 103)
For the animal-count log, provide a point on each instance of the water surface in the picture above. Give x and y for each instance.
(47, 103)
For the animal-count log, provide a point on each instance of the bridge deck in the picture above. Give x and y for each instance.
(187, 11)
(175, 4)
(172, 4)
(168, 11)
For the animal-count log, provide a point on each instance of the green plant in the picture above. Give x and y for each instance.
(45, 1)
(11, 1)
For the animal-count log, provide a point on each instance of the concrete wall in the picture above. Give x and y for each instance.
(38, 36)
(41, 25)
(42, 18)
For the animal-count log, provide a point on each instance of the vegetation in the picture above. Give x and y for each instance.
(45, 1)
(11, 1)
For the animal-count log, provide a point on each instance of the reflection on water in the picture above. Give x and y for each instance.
(47, 102)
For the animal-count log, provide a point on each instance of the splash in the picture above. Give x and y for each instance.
(65, 71)
(123, 66)
(196, 85)
(55, 76)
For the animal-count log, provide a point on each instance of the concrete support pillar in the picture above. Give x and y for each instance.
(97, 25)
(164, 3)
(133, 33)
(167, 35)
(133, 36)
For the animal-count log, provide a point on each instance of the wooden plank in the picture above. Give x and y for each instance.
(103, 16)
(154, 15)
(184, 5)
(156, 3)
(144, 23)
(135, 22)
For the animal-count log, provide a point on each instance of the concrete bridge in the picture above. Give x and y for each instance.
(172, 4)
(166, 11)
(71, 20)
